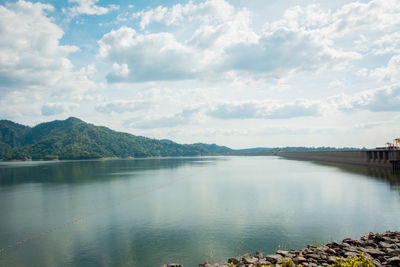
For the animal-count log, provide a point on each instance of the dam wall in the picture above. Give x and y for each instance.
(386, 158)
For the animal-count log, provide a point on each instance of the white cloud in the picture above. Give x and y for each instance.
(282, 51)
(336, 83)
(389, 43)
(374, 15)
(49, 109)
(89, 7)
(209, 11)
(139, 57)
(214, 38)
(30, 52)
(362, 72)
(263, 110)
(389, 73)
(31, 56)
(122, 106)
(378, 100)
(369, 125)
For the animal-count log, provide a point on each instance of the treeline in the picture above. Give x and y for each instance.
(76, 139)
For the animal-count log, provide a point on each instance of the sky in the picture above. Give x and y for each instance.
(260, 73)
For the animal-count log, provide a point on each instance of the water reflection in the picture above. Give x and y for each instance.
(87, 171)
(387, 175)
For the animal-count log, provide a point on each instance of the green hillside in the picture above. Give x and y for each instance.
(75, 139)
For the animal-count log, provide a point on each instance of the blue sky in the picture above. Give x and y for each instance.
(236, 73)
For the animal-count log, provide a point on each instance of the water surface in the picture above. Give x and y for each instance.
(187, 210)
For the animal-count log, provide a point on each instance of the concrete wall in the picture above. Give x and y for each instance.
(376, 158)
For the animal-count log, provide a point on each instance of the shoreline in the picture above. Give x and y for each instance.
(378, 249)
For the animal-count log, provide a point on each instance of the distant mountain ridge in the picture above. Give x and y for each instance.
(75, 139)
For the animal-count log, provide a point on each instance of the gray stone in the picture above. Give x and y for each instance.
(313, 256)
(275, 258)
(283, 253)
(233, 260)
(258, 255)
(386, 245)
(250, 260)
(331, 259)
(393, 252)
(395, 261)
(264, 262)
(299, 259)
(247, 255)
(375, 252)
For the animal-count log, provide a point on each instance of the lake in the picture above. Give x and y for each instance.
(184, 210)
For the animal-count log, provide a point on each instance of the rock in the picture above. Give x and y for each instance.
(386, 245)
(258, 255)
(283, 253)
(394, 261)
(233, 260)
(313, 256)
(299, 259)
(375, 252)
(330, 251)
(172, 265)
(381, 249)
(275, 258)
(393, 252)
(247, 255)
(264, 262)
(331, 259)
(250, 260)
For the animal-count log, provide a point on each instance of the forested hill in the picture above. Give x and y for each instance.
(75, 139)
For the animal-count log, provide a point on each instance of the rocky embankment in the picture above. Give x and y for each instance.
(381, 249)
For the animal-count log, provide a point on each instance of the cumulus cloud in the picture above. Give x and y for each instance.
(263, 110)
(377, 100)
(375, 15)
(121, 106)
(89, 7)
(282, 51)
(145, 57)
(389, 43)
(31, 56)
(30, 52)
(49, 109)
(215, 38)
(389, 73)
(209, 11)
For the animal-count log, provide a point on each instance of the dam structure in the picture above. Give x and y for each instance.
(378, 157)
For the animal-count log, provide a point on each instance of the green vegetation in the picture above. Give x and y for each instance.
(360, 261)
(75, 139)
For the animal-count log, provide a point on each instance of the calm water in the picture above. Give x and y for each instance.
(187, 210)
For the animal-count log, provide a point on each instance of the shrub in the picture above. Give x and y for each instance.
(360, 261)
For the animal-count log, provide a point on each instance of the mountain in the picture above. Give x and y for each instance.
(221, 150)
(75, 139)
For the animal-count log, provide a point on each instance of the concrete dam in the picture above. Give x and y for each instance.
(386, 158)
